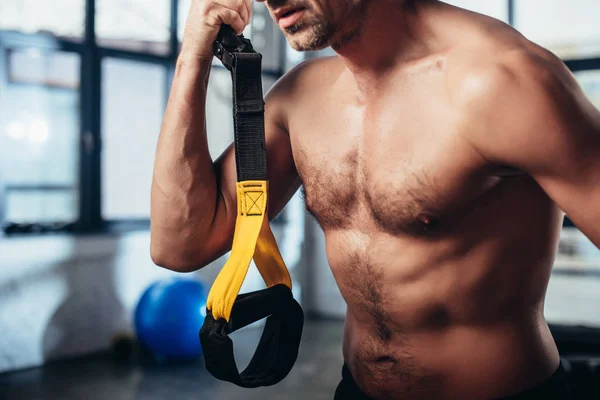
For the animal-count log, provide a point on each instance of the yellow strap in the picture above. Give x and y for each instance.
(268, 259)
(252, 238)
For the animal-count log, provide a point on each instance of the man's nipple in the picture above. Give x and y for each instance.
(428, 222)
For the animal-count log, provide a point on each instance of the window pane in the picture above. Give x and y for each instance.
(182, 12)
(40, 206)
(133, 100)
(140, 25)
(39, 135)
(219, 114)
(572, 296)
(63, 18)
(60, 70)
(293, 57)
(590, 83)
(494, 8)
(267, 38)
(571, 29)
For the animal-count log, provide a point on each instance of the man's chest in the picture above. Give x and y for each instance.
(404, 167)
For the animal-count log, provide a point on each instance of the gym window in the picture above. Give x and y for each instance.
(83, 87)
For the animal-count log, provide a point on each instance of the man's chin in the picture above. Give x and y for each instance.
(303, 48)
(300, 42)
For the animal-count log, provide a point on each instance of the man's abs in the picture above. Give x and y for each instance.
(427, 320)
(478, 362)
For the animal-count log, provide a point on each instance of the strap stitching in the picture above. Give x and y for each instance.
(254, 204)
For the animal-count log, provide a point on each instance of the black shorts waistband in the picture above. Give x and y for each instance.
(553, 388)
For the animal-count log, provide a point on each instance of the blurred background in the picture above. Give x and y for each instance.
(83, 88)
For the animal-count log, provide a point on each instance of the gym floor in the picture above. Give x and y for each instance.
(315, 375)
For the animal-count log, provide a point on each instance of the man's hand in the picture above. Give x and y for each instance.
(205, 19)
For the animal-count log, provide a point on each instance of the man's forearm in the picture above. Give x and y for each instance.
(184, 184)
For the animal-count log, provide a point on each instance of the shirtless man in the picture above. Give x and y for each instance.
(438, 151)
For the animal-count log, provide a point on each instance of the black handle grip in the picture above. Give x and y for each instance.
(228, 43)
(228, 37)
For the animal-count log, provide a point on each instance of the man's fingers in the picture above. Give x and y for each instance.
(205, 18)
(231, 18)
(239, 6)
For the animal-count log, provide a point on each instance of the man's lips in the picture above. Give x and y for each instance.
(289, 17)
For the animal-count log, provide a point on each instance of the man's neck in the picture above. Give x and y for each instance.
(392, 32)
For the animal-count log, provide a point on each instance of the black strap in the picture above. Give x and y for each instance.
(239, 57)
(278, 347)
(249, 122)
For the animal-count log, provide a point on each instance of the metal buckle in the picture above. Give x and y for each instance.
(224, 55)
(227, 44)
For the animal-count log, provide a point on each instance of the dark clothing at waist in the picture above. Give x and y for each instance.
(553, 388)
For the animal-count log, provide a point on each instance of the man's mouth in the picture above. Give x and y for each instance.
(290, 17)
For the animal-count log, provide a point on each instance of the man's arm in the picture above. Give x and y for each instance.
(194, 204)
(529, 113)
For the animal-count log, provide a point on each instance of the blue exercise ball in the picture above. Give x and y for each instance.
(169, 316)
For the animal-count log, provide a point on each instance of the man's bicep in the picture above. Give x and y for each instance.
(282, 174)
(569, 170)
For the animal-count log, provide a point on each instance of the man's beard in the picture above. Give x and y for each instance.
(310, 35)
(317, 34)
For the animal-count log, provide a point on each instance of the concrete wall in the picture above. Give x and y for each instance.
(65, 296)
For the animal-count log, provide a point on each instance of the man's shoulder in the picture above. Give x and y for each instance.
(300, 84)
(506, 101)
(480, 77)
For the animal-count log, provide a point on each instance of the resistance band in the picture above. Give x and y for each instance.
(226, 310)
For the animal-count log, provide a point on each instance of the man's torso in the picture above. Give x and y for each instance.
(442, 258)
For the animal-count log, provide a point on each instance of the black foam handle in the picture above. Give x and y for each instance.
(278, 348)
